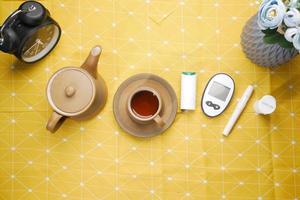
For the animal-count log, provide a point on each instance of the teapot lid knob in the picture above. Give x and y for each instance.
(70, 91)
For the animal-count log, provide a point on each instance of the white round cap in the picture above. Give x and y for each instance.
(266, 105)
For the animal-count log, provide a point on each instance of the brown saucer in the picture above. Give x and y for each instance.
(169, 105)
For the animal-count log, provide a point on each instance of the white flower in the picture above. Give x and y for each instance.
(271, 14)
(290, 33)
(293, 35)
(292, 18)
(296, 41)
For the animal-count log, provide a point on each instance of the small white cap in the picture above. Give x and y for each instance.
(96, 50)
(266, 105)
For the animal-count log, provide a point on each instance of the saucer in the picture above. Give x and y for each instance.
(169, 105)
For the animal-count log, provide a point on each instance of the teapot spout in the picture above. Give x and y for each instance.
(91, 62)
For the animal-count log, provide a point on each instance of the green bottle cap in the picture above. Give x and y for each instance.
(189, 73)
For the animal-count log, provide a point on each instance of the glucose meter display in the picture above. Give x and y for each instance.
(219, 91)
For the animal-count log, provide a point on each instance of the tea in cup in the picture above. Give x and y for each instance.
(145, 105)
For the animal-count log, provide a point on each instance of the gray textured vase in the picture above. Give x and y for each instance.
(260, 53)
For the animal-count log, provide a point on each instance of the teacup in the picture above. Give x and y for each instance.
(144, 106)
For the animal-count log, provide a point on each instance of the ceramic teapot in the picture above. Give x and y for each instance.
(78, 93)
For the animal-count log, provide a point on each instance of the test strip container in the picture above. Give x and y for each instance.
(188, 91)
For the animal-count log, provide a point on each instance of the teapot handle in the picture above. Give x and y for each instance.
(91, 62)
(54, 122)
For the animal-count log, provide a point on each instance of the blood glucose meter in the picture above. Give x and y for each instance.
(217, 94)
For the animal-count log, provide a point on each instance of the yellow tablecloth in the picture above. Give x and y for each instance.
(96, 160)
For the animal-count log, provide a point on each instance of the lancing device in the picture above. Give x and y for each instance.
(238, 110)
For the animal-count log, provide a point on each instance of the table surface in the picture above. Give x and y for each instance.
(95, 159)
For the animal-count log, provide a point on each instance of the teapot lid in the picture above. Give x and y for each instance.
(71, 91)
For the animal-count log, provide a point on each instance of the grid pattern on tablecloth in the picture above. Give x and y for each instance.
(96, 160)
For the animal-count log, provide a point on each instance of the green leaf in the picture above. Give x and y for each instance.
(284, 43)
(269, 31)
(272, 39)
